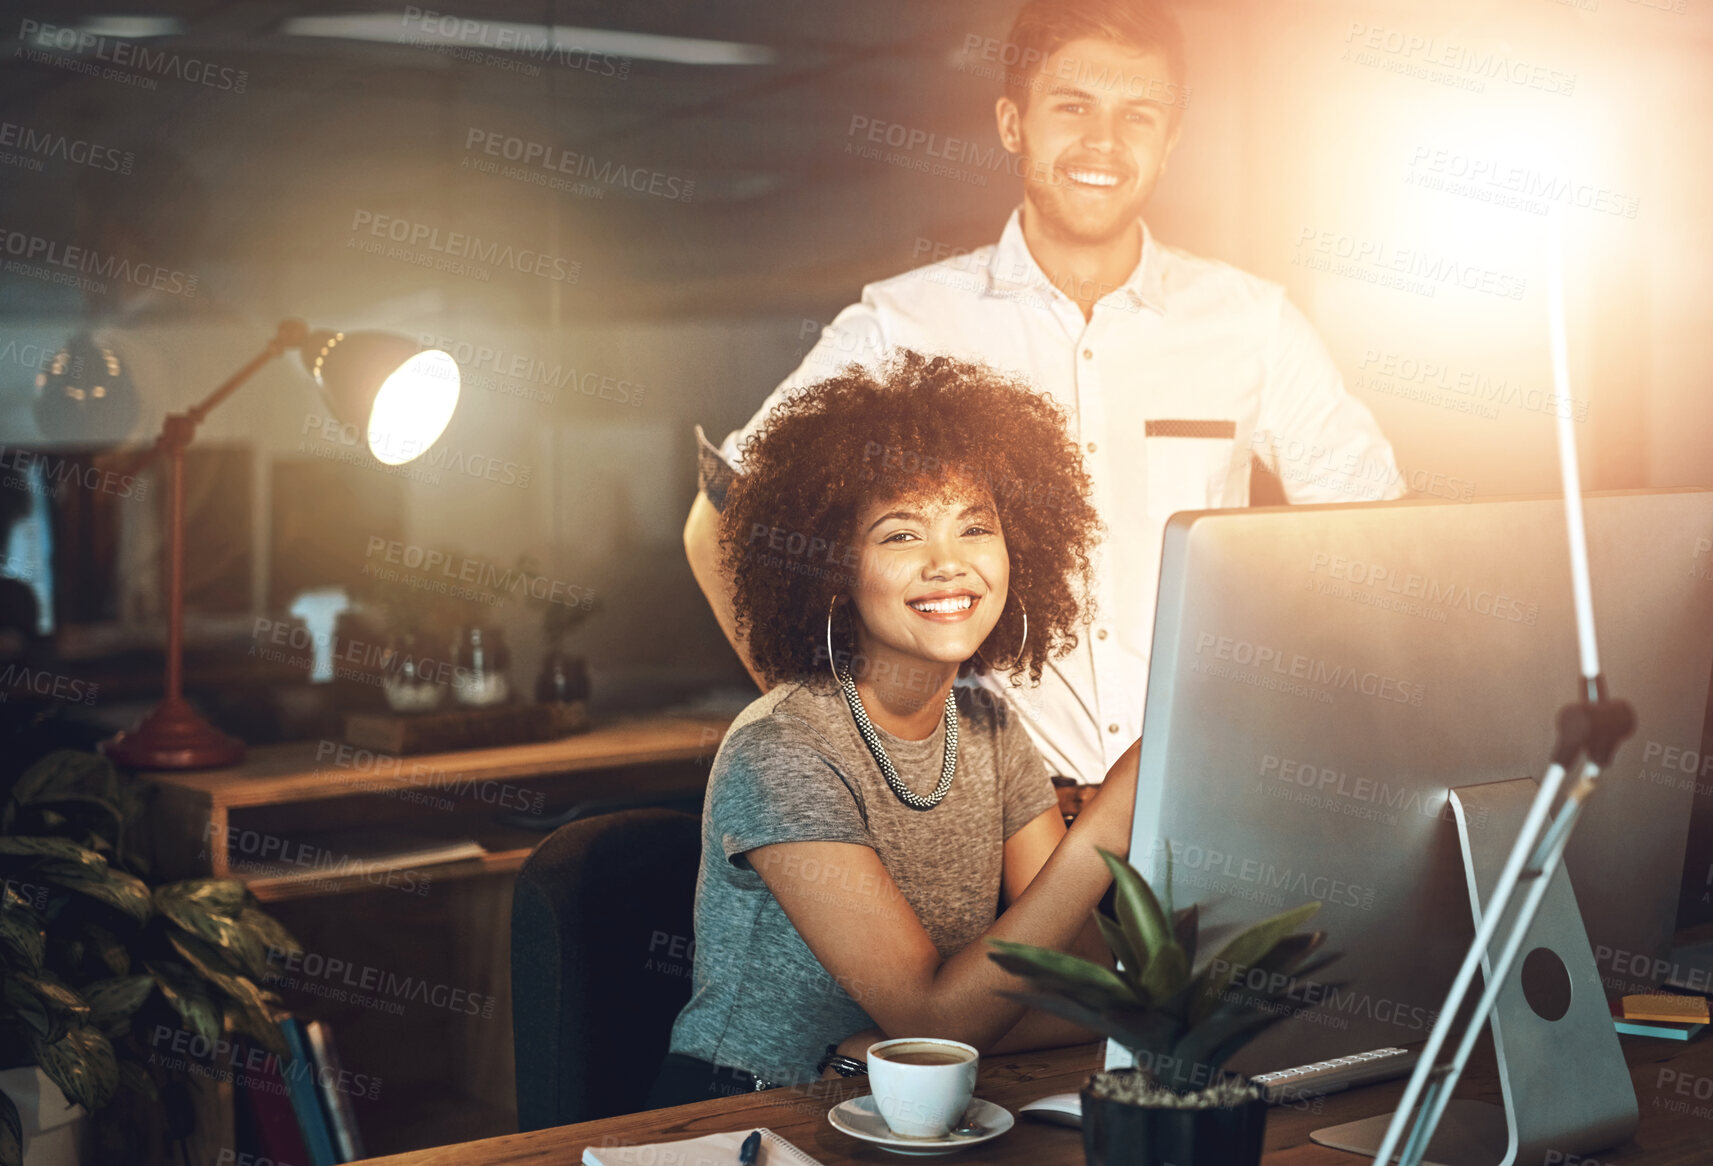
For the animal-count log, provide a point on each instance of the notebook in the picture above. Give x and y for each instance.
(708, 1150)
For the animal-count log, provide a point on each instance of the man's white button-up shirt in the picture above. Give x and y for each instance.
(1177, 377)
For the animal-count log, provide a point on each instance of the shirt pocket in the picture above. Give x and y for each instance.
(1189, 465)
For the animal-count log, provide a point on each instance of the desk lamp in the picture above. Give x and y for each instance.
(399, 397)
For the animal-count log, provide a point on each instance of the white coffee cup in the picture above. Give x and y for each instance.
(922, 1100)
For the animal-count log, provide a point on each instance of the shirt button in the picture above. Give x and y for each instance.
(1100, 634)
(1112, 728)
(1091, 447)
(1088, 354)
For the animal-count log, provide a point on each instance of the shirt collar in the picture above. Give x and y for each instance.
(1014, 269)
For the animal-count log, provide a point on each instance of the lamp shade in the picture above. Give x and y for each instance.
(400, 396)
(85, 394)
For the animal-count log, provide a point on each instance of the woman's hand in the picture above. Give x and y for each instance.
(854, 1046)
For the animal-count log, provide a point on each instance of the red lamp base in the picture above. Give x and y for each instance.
(174, 736)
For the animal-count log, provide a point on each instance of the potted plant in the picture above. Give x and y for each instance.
(96, 962)
(1181, 1023)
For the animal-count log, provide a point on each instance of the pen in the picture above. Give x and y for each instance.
(751, 1146)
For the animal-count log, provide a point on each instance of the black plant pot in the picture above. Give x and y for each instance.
(1119, 1134)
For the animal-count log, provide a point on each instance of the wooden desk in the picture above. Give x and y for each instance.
(1665, 1138)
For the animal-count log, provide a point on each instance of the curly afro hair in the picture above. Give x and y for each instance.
(916, 427)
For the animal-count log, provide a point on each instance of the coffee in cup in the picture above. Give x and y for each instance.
(922, 1085)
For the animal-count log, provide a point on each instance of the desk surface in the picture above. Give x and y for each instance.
(1676, 1125)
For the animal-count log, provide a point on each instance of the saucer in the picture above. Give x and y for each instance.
(858, 1118)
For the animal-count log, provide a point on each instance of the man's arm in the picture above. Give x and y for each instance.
(702, 548)
(1341, 454)
(854, 337)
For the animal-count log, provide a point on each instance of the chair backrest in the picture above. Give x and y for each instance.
(601, 954)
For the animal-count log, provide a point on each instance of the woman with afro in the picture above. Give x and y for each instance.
(869, 822)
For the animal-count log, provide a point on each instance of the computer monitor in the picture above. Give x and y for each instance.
(1322, 676)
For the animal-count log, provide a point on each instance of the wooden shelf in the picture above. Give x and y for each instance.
(287, 789)
(312, 771)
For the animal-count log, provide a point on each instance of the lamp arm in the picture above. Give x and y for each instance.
(291, 334)
(179, 429)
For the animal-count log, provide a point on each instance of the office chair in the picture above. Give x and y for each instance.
(600, 952)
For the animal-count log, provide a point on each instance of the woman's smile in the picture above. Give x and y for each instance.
(945, 606)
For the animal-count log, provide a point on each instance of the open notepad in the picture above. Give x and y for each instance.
(707, 1150)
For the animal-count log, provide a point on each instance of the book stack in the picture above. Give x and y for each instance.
(298, 1108)
(1661, 1014)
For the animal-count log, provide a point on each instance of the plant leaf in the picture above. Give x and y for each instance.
(29, 1008)
(189, 999)
(1168, 972)
(121, 891)
(271, 936)
(209, 910)
(1242, 953)
(114, 1000)
(29, 846)
(1186, 929)
(1045, 964)
(82, 1064)
(56, 995)
(1138, 910)
(1212, 1043)
(113, 954)
(22, 935)
(1132, 967)
(66, 773)
(1138, 1029)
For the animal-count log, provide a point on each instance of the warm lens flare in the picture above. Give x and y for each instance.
(413, 407)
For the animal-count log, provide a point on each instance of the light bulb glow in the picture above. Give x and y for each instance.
(413, 407)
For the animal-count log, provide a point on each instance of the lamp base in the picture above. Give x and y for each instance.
(174, 736)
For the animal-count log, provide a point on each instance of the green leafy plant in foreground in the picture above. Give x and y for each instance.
(1180, 1024)
(94, 960)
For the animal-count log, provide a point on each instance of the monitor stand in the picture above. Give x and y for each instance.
(1565, 1085)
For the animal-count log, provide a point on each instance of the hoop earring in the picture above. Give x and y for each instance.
(1017, 658)
(831, 666)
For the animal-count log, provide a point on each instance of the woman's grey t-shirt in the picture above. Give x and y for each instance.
(793, 768)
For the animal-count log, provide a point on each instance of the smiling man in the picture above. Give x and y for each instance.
(1174, 370)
